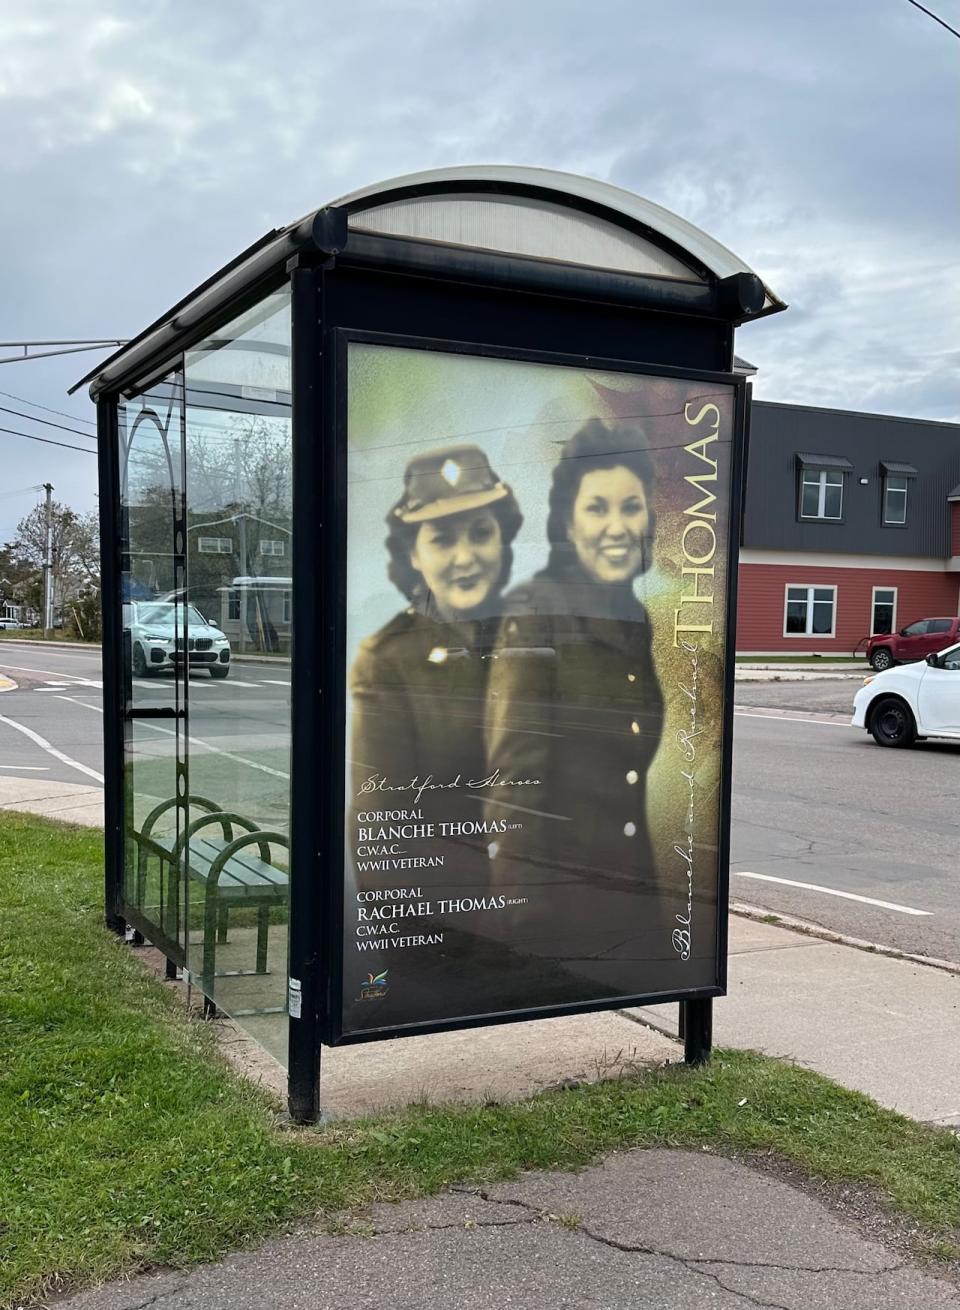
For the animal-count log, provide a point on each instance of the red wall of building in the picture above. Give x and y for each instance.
(761, 596)
(955, 528)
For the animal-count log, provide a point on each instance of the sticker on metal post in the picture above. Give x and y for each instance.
(294, 995)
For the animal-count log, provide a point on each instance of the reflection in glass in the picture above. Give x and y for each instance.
(238, 544)
(205, 458)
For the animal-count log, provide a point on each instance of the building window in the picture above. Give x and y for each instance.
(894, 500)
(810, 612)
(215, 545)
(233, 605)
(883, 610)
(272, 548)
(286, 607)
(821, 494)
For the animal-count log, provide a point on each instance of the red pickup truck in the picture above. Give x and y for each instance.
(914, 642)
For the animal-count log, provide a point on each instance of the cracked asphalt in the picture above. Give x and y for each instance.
(663, 1229)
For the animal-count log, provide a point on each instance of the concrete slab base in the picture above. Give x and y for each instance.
(894, 1027)
(69, 802)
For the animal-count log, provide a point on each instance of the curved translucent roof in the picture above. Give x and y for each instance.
(682, 248)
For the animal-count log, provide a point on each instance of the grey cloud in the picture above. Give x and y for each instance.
(146, 145)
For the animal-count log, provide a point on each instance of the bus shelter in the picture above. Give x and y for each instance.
(420, 524)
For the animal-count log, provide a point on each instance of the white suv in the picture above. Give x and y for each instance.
(157, 639)
(912, 700)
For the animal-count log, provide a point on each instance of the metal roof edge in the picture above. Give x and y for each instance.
(325, 229)
(680, 233)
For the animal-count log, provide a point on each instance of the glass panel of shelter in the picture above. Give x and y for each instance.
(150, 459)
(238, 460)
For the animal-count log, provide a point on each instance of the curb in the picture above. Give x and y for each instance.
(50, 645)
(759, 915)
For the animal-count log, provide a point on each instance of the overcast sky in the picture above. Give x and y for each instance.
(145, 144)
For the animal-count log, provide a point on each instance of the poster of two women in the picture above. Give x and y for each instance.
(537, 574)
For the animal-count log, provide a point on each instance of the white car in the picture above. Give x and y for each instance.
(156, 639)
(912, 701)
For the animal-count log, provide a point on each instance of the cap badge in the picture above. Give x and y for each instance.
(450, 471)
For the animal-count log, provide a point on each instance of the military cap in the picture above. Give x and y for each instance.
(448, 480)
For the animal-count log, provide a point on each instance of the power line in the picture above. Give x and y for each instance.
(88, 436)
(36, 405)
(47, 441)
(930, 14)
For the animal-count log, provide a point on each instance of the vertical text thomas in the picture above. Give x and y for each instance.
(698, 540)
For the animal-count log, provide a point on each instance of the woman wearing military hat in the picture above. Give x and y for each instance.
(418, 687)
(574, 699)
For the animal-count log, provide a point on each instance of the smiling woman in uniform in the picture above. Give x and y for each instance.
(574, 700)
(418, 689)
(419, 684)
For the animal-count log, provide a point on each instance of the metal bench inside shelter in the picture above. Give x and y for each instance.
(231, 859)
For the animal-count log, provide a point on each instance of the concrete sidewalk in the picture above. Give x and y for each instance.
(884, 1026)
(648, 1230)
(70, 802)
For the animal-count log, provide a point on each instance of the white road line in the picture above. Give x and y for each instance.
(194, 741)
(27, 768)
(238, 759)
(273, 682)
(791, 718)
(235, 682)
(51, 750)
(85, 703)
(832, 891)
(70, 678)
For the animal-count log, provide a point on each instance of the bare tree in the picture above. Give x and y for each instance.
(75, 548)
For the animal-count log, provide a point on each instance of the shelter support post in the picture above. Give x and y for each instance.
(696, 1029)
(110, 569)
(304, 992)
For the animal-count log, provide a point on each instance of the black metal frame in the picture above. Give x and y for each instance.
(309, 699)
(332, 738)
(111, 671)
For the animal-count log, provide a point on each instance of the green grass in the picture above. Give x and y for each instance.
(126, 1142)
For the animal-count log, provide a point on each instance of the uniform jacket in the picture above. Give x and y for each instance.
(573, 701)
(418, 688)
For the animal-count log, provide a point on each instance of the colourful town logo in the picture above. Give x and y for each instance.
(374, 987)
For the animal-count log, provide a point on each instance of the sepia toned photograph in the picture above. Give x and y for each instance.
(536, 592)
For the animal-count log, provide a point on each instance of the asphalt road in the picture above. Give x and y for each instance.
(814, 800)
(239, 729)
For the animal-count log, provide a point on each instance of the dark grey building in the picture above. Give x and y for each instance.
(851, 526)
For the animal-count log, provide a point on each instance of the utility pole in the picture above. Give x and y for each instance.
(48, 566)
(242, 526)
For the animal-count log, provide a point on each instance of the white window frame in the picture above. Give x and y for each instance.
(287, 607)
(233, 605)
(224, 546)
(273, 543)
(873, 609)
(904, 491)
(809, 588)
(817, 477)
